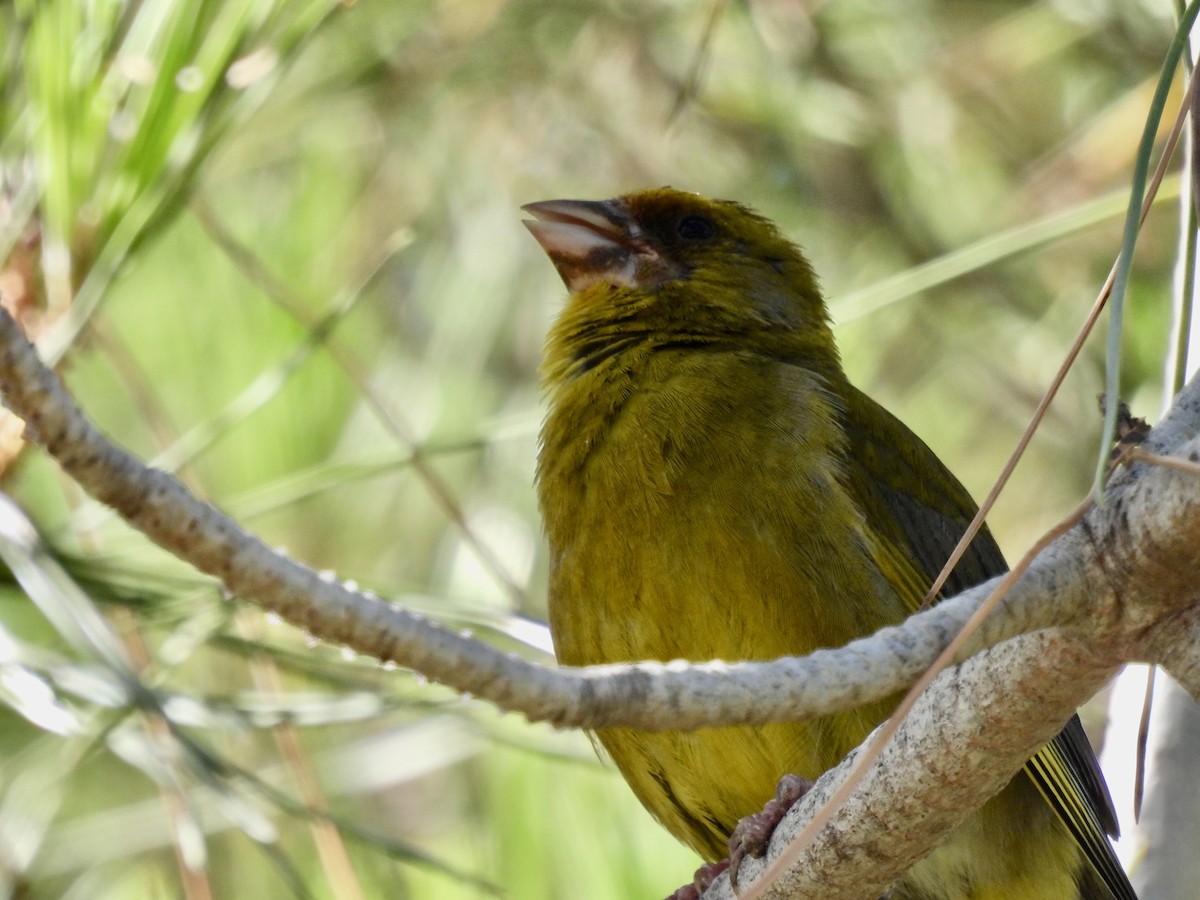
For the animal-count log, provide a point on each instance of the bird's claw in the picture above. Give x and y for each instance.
(704, 877)
(753, 833)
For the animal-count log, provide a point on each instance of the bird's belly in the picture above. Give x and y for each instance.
(747, 595)
(698, 784)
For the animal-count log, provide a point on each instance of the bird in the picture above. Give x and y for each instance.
(713, 487)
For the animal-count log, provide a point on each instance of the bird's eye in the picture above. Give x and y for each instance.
(695, 228)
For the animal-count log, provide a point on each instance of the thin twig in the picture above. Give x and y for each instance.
(1085, 331)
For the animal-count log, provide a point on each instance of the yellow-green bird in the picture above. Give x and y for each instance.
(713, 487)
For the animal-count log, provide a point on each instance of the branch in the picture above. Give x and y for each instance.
(918, 791)
(648, 696)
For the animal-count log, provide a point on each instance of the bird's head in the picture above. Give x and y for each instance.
(677, 264)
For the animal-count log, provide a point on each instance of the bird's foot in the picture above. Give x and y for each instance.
(704, 877)
(753, 833)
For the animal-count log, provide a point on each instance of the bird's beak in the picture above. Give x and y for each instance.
(588, 241)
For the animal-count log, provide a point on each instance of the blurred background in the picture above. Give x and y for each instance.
(276, 247)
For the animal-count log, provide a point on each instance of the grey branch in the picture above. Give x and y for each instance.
(649, 695)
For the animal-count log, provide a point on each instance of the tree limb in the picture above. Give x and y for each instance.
(648, 695)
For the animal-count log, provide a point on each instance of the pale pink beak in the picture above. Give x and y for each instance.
(589, 241)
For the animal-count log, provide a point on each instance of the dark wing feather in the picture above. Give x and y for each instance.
(927, 516)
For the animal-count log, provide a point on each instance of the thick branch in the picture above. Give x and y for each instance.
(1176, 646)
(919, 790)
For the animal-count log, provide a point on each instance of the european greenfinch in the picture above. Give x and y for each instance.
(712, 487)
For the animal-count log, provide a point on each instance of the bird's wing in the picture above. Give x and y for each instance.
(923, 520)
